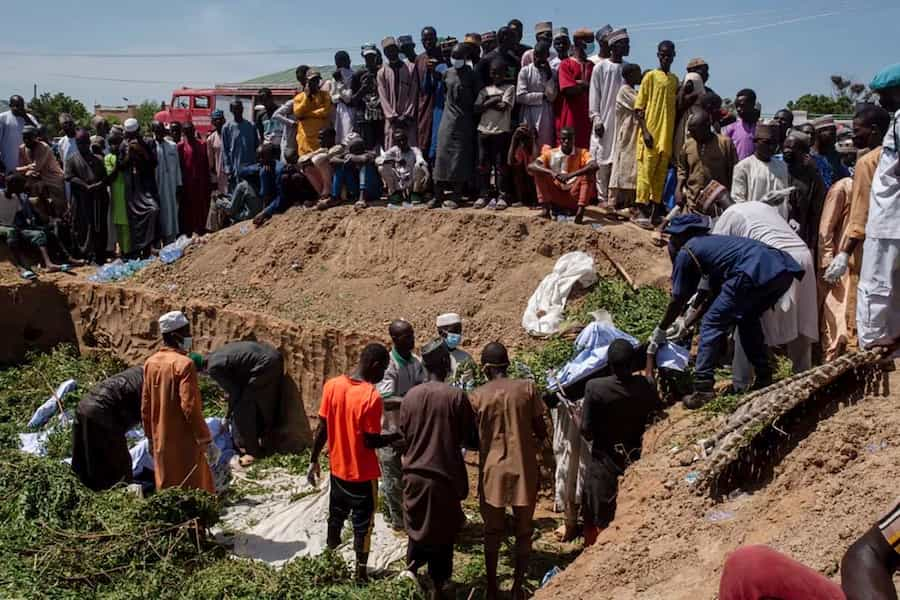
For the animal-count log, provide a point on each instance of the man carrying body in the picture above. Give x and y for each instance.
(564, 176)
(100, 456)
(12, 123)
(168, 182)
(404, 171)
(404, 371)
(707, 157)
(745, 278)
(826, 136)
(606, 80)
(510, 416)
(845, 234)
(250, 373)
(435, 420)
(172, 411)
(239, 141)
(617, 410)
(743, 131)
(350, 423)
(655, 114)
(39, 166)
(793, 322)
(398, 90)
(761, 173)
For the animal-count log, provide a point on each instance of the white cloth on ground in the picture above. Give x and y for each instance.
(50, 406)
(544, 312)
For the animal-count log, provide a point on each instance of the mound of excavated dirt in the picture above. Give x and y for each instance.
(356, 271)
(667, 543)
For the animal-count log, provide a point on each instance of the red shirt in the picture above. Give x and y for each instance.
(351, 408)
(573, 110)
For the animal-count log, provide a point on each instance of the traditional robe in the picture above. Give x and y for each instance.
(398, 90)
(119, 230)
(806, 202)
(89, 206)
(754, 178)
(428, 85)
(40, 165)
(239, 141)
(138, 160)
(168, 180)
(573, 110)
(606, 80)
(195, 200)
(535, 95)
(624, 171)
(216, 159)
(656, 97)
(172, 414)
(341, 97)
(312, 113)
(455, 161)
(11, 137)
(836, 330)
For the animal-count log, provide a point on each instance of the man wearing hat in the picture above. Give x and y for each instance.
(602, 45)
(449, 329)
(744, 278)
(137, 162)
(559, 49)
(543, 32)
(364, 87)
(39, 166)
(505, 52)
(574, 85)
(408, 50)
(488, 41)
(878, 305)
(398, 89)
(701, 68)
(435, 422)
(808, 196)
(472, 43)
(761, 173)
(172, 411)
(312, 109)
(12, 122)
(606, 80)
(826, 137)
(510, 423)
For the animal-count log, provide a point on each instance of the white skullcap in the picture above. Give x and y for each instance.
(447, 319)
(131, 125)
(172, 321)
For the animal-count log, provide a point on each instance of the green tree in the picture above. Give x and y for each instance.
(844, 97)
(146, 111)
(48, 107)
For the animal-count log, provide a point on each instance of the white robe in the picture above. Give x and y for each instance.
(343, 115)
(11, 138)
(754, 178)
(796, 314)
(168, 180)
(536, 104)
(606, 79)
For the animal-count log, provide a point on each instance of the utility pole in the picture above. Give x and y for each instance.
(34, 95)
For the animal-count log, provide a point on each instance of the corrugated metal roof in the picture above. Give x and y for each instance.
(288, 76)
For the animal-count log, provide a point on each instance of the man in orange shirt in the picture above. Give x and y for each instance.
(350, 422)
(564, 176)
(172, 411)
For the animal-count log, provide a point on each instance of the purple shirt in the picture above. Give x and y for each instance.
(742, 135)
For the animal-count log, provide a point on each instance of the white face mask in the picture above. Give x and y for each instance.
(459, 63)
(187, 343)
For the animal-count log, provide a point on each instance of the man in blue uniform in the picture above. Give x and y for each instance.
(745, 278)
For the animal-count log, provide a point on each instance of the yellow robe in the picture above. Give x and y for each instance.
(172, 414)
(656, 97)
(313, 113)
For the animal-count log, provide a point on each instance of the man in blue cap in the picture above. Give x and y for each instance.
(743, 278)
(878, 307)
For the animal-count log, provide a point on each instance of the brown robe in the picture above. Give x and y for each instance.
(833, 299)
(398, 90)
(39, 165)
(425, 113)
(172, 413)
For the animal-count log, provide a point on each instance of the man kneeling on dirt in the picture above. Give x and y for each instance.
(564, 176)
(510, 424)
(867, 570)
(350, 423)
(18, 223)
(250, 373)
(100, 455)
(172, 411)
(435, 419)
(617, 409)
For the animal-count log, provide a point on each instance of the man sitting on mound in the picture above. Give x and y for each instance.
(564, 176)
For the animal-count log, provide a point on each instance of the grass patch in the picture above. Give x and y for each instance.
(634, 312)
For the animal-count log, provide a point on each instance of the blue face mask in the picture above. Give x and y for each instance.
(452, 340)
(590, 48)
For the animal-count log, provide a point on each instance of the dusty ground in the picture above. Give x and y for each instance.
(668, 543)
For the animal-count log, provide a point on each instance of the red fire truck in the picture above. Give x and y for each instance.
(196, 105)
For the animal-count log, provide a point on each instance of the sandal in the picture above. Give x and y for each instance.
(360, 205)
(28, 275)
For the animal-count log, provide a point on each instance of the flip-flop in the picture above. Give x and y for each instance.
(28, 275)
(65, 268)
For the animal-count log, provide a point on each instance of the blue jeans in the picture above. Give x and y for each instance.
(739, 303)
(356, 180)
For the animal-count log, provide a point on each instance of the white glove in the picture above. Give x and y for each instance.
(836, 268)
(656, 338)
(213, 454)
(794, 225)
(677, 330)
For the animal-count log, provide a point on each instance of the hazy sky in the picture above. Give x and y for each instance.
(780, 48)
